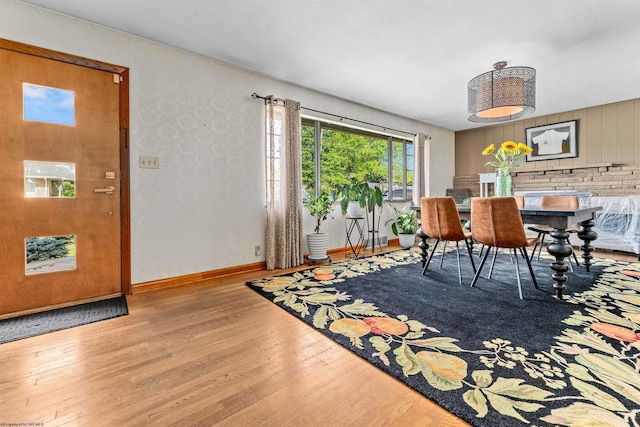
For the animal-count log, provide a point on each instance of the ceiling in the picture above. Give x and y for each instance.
(409, 57)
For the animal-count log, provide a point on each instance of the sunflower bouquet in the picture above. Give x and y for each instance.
(507, 155)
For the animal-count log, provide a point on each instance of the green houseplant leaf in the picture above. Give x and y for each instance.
(320, 207)
(361, 192)
(405, 222)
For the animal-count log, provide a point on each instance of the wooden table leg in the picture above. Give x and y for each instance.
(587, 235)
(560, 249)
(423, 245)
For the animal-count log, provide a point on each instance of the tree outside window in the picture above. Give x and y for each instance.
(346, 153)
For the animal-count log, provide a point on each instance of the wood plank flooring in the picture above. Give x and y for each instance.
(212, 353)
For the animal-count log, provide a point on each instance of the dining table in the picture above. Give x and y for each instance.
(560, 219)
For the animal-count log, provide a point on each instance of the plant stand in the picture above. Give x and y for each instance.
(354, 227)
(312, 261)
(374, 229)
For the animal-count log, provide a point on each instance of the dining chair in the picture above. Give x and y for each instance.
(496, 223)
(441, 221)
(520, 203)
(547, 202)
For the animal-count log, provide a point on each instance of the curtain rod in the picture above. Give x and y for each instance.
(384, 128)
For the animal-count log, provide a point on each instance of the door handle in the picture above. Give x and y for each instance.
(109, 189)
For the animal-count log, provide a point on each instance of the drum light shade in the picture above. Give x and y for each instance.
(502, 94)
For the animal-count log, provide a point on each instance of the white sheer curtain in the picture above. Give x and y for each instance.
(420, 167)
(284, 184)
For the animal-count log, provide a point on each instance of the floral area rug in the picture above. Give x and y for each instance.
(482, 353)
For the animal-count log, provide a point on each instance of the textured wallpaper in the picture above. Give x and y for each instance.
(203, 209)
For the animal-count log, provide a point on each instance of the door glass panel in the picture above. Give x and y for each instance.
(48, 104)
(49, 179)
(50, 254)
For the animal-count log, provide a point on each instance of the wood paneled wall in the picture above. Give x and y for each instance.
(605, 134)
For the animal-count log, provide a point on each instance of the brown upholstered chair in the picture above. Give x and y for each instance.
(496, 223)
(571, 202)
(441, 221)
(520, 203)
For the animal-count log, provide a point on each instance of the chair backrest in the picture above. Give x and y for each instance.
(496, 221)
(440, 218)
(559, 202)
(519, 201)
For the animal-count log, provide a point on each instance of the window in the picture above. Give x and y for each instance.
(49, 179)
(346, 153)
(274, 145)
(48, 104)
(50, 254)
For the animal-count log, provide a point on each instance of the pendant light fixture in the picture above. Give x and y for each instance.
(502, 94)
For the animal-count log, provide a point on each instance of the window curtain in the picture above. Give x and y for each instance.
(420, 166)
(284, 247)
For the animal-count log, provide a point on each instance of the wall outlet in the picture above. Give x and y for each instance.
(149, 162)
(258, 250)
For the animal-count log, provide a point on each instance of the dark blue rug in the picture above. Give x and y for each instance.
(34, 324)
(482, 353)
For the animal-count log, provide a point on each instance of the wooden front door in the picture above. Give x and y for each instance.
(60, 222)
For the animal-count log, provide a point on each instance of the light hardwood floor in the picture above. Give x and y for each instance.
(212, 353)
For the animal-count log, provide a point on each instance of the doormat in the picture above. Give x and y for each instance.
(30, 325)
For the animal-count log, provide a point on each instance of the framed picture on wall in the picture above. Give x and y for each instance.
(550, 142)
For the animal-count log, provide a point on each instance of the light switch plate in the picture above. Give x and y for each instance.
(149, 162)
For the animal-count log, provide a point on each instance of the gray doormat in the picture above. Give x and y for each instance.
(34, 324)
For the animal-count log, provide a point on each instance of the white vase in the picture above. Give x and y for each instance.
(354, 210)
(318, 244)
(406, 240)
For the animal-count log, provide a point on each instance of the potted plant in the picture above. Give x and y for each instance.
(319, 207)
(356, 195)
(374, 178)
(374, 198)
(405, 226)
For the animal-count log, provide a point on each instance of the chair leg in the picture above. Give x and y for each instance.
(526, 257)
(541, 245)
(482, 250)
(493, 262)
(433, 250)
(458, 257)
(470, 250)
(484, 259)
(570, 263)
(444, 249)
(517, 272)
(533, 251)
(574, 253)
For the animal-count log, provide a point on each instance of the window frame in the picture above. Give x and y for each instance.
(319, 124)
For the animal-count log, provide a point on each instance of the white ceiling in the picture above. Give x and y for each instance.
(409, 57)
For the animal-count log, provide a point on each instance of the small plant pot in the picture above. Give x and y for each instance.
(406, 240)
(318, 244)
(354, 210)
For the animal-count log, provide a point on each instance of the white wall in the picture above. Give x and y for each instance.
(204, 208)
